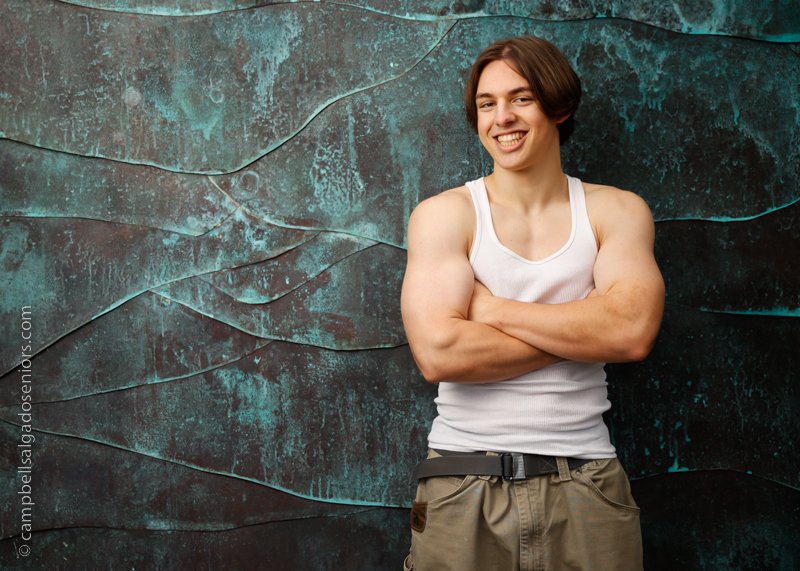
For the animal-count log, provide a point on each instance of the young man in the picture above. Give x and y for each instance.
(519, 287)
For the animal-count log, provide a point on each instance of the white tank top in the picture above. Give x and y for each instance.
(557, 410)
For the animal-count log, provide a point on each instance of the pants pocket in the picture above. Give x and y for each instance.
(608, 481)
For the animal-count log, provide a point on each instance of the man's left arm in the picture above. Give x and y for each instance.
(620, 320)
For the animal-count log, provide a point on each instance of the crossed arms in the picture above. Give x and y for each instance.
(459, 332)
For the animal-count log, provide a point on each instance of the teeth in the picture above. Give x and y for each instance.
(510, 139)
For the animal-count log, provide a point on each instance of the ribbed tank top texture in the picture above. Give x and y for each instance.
(557, 410)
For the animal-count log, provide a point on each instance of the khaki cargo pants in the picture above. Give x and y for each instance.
(583, 519)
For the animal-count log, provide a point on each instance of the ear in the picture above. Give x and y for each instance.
(562, 119)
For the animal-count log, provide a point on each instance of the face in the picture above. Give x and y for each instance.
(511, 125)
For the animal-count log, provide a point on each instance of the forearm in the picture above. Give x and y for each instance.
(598, 329)
(470, 352)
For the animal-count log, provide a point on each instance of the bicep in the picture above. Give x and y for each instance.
(625, 260)
(628, 280)
(438, 283)
(440, 287)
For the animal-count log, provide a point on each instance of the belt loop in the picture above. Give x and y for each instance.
(487, 477)
(563, 469)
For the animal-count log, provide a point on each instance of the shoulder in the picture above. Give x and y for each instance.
(456, 199)
(606, 196)
(448, 215)
(610, 201)
(611, 208)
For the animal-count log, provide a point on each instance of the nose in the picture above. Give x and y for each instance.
(504, 113)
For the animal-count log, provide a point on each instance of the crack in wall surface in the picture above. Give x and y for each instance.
(728, 219)
(613, 14)
(154, 381)
(199, 468)
(295, 287)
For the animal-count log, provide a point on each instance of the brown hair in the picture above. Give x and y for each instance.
(554, 83)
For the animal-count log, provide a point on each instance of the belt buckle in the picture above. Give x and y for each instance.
(513, 464)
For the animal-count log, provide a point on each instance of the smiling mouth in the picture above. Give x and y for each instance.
(510, 139)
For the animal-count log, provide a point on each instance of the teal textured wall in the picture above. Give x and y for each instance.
(203, 208)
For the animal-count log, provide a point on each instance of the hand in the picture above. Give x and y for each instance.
(481, 304)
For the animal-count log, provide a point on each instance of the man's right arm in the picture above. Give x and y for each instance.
(437, 290)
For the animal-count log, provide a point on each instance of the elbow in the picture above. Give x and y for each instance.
(637, 323)
(432, 376)
(637, 335)
(434, 361)
(636, 347)
(636, 352)
(433, 370)
(426, 367)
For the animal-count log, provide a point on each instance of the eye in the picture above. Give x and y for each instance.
(485, 104)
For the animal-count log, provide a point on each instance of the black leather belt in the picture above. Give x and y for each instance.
(509, 465)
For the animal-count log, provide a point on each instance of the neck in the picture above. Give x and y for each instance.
(534, 187)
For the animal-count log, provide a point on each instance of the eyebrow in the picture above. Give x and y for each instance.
(515, 91)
